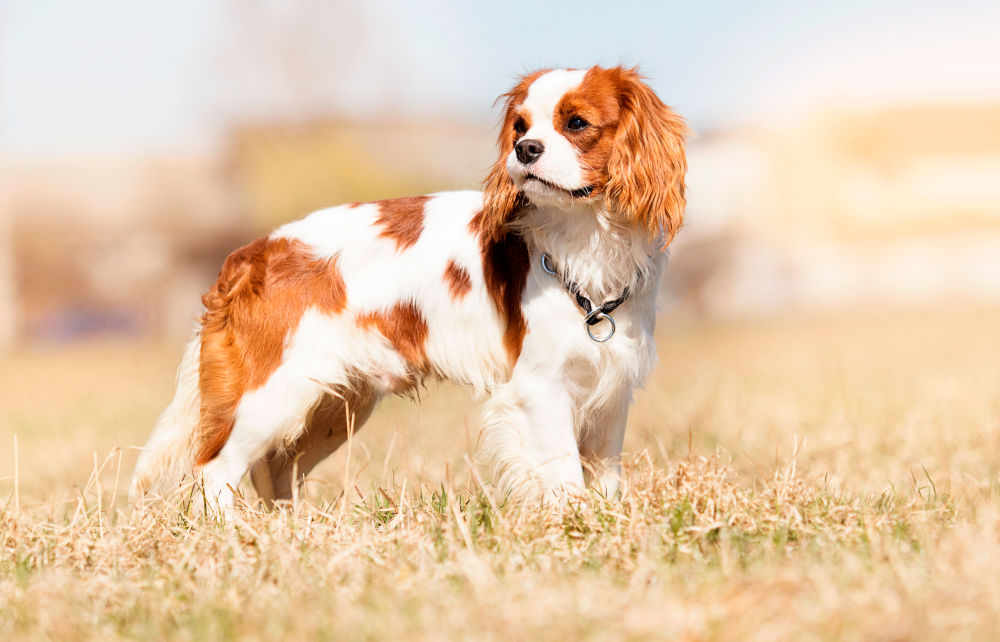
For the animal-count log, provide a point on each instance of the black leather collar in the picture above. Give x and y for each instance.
(594, 314)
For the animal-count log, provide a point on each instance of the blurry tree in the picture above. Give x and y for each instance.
(324, 127)
(301, 60)
(298, 75)
(8, 294)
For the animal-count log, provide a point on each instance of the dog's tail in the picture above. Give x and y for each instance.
(169, 451)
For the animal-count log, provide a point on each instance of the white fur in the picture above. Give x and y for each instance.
(562, 406)
(168, 450)
(569, 395)
(559, 164)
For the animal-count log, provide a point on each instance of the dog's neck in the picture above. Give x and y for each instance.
(593, 248)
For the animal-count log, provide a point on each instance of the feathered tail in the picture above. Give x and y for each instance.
(168, 453)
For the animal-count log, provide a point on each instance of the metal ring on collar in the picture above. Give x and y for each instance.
(601, 316)
(547, 264)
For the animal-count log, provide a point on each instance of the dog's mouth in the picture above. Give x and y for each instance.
(582, 192)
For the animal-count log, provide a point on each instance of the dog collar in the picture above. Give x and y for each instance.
(594, 314)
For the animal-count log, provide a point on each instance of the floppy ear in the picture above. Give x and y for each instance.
(647, 164)
(501, 198)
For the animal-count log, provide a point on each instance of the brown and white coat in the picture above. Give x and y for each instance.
(307, 329)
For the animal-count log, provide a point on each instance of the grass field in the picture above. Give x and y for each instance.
(799, 479)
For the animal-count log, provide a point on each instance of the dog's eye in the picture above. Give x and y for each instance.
(576, 124)
(520, 127)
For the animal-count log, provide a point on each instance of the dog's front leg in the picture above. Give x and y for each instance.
(529, 438)
(601, 446)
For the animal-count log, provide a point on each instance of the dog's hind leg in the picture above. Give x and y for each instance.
(273, 414)
(327, 428)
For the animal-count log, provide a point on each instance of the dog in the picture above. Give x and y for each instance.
(538, 294)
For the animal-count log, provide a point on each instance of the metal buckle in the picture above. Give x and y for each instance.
(597, 313)
(600, 316)
(547, 264)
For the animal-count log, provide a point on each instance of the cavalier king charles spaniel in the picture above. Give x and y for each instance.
(538, 294)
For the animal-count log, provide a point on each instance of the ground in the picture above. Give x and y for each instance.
(800, 479)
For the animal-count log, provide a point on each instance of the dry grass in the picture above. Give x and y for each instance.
(796, 480)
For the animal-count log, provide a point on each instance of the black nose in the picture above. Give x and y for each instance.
(528, 150)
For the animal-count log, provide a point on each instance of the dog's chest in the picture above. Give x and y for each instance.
(558, 343)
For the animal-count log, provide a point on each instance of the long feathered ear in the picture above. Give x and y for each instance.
(501, 198)
(647, 165)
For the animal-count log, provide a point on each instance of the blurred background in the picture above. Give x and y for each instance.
(845, 154)
(838, 277)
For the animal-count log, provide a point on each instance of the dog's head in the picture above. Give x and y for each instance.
(601, 136)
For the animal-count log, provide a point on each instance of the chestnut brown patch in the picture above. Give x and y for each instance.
(406, 329)
(501, 198)
(402, 219)
(258, 300)
(634, 148)
(595, 100)
(506, 263)
(457, 278)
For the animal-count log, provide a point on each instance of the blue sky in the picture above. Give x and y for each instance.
(113, 76)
